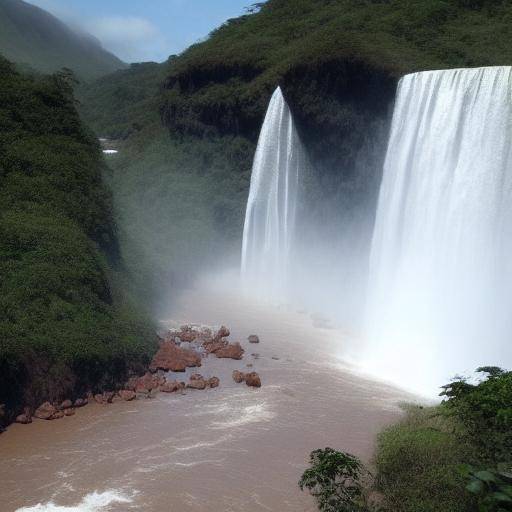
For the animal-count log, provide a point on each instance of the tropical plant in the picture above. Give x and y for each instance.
(334, 479)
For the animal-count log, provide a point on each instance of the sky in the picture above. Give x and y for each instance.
(142, 30)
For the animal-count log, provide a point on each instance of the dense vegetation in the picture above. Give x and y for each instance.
(34, 38)
(455, 457)
(65, 328)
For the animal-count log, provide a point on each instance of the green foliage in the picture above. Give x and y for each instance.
(64, 325)
(123, 103)
(334, 479)
(485, 409)
(494, 489)
(32, 37)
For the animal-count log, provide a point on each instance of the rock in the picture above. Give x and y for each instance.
(81, 402)
(213, 382)
(275, 358)
(109, 396)
(170, 357)
(24, 418)
(127, 395)
(250, 365)
(187, 336)
(253, 379)
(45, 411)
(99, 398)
(57, 416)
(231, 351)
(253, 338)
(70, 411)
(172, 387)
(147, 383)
(223, 332)
(238, 376)
(212, 346)
(197, 384)
(67, 404)
(256, 356)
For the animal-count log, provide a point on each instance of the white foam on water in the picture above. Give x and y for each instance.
(245, 416)
(93, 502)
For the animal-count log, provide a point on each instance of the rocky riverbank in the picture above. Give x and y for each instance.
(179, 349)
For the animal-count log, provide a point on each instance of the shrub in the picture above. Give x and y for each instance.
(334, 479)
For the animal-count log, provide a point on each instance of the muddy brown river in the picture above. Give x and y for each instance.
(227, 449)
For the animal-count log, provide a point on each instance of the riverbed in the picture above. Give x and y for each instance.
(232, 448)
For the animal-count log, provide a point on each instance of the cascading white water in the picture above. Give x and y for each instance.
(440, 292)
(271, 208)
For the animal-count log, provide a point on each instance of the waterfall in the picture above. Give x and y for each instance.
(439, 298)
(269, 227)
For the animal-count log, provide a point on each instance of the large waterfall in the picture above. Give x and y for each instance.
(269, 228)
(441, 262)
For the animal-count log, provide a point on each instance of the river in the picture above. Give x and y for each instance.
(232, 448)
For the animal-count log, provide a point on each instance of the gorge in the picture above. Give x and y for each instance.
(334, 176)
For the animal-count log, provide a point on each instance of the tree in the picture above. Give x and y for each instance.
(334, 479)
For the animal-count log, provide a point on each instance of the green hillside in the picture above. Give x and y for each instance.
(65, 325)
(35, 38)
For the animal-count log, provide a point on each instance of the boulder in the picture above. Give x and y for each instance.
(67, 404)
(24, 418)
(45, 411)
(170, 357)
(70, 411)
(81, 402)
(253, 338)
(238, 376)
(127, 395)
(211, 346)
(109, 396)
(188, 335)
(57, 416)
(99, 398)
(172, 387)
(253, 379)
(213, 382)
(223, 332)
(197, 384)
(147, 383)
(230, 351)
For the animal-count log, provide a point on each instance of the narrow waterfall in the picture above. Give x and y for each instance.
(269, 227)
(440, 287)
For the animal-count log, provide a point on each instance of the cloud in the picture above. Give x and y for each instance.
(131, 38)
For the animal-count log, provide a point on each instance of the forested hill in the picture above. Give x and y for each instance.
(337, 60)
(65, 325)
(33, 37)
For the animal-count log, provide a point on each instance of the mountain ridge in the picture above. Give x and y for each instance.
(33, 37)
